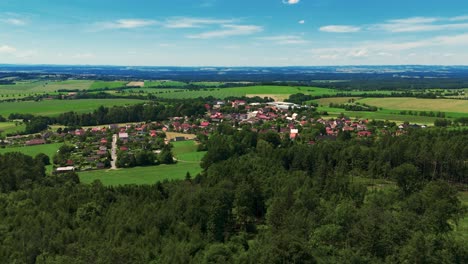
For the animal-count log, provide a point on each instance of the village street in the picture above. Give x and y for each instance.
(114, 152)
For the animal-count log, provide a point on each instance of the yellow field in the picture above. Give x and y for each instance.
(443, 105)
(335, 100)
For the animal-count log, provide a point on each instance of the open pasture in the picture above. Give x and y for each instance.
(56, 107)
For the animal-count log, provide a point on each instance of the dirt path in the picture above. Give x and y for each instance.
(114, 152)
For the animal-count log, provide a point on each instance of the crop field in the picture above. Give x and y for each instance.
(164, 83)
(443, 105)
(335, 100)
(55, 107)
(184, 150)
(389, 115)
(285, 91)
(48, 149)
(25, 88)
(110, 85)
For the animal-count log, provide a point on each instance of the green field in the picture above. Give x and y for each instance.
(55, 107)
(185, 152)
(164, 83)
(11, 127)
(260, 90)
(48, 149)
(27, 88)
(443, 105)
(110, 85)
(390, 115)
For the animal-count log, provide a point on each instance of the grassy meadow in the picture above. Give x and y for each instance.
(56, 107)
(48, 149)
(11, 127)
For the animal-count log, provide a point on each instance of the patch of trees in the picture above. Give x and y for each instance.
(299, 98)
(422, 113)
(354, 107)
(260, 199)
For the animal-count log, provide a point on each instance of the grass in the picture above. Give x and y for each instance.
(26, 88)
(110, 85)
(11, 127)
(390, 115)
(56, 107)
(184, 151)
(263, 90)
(48, 149)
(443, 105)
(164, 83)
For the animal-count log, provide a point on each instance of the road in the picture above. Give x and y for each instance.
(114, 152)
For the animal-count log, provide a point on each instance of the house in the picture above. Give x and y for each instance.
(179, 139)
(103, 141)
(123, 135)
(65, 169)
(364, 133)
(34, 142)
(204, 124)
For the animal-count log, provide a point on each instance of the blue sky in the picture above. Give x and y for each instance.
(234, 33)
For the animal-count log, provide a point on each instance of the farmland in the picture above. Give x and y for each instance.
(24, 88)
(55, 107)
(185, 151)
(110, 85)
(445, 105)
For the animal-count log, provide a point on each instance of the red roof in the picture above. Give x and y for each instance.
(364, 133)
(123, 148)
(205, 124)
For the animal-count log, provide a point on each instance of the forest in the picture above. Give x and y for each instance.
(260, 199)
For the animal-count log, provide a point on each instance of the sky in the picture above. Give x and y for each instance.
(234, 32)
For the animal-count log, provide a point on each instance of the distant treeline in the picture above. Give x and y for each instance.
(354, 107)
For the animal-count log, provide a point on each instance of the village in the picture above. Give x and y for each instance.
(140, 144)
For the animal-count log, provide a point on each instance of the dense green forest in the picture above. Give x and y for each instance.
(260, 199)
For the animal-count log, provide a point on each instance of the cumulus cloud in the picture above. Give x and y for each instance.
(340, 29)
(291, 2)
(228, 31)
(301, 22)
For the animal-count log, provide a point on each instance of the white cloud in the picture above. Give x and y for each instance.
(386, 49)
(14, 21)
(187, 22)
(285, 40)
(421, 24)
(83, 56)
(340, 29)
(126, 24)
(301, 22)
(228, 31)
(291, 2)
(7, 49)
